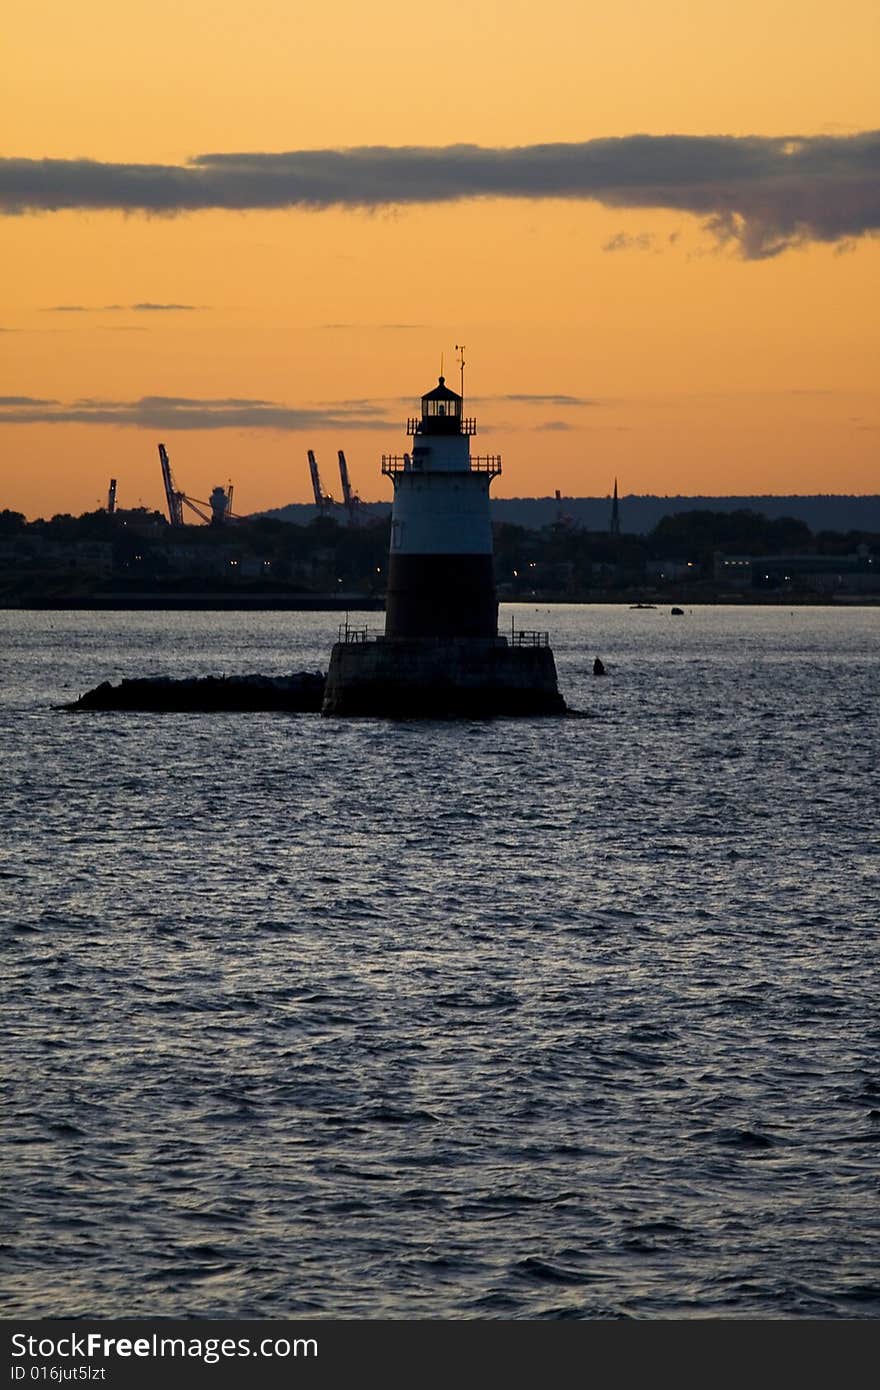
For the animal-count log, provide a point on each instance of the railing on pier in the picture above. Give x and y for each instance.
(524, 637)
(348, 634)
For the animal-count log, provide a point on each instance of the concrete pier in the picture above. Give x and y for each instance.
(451, 678)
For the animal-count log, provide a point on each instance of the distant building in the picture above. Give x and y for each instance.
(671, 571)
(30, 553)
(733, 571)
(819, 574)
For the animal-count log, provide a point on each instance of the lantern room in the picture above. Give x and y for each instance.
(441, 413)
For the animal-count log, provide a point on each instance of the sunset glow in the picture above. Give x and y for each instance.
(654, 229)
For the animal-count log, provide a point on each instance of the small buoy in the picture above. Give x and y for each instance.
(598, 668)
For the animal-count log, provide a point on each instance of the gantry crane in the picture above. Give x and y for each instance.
(173, 497)
(350, 498)
(220, 502)
(323, 500)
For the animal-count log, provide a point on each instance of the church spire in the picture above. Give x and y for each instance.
(615, 513)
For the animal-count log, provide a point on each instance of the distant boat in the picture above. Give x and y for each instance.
(642, 605)
(677, 612)
(598, 667)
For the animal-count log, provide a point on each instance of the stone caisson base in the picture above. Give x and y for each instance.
(441, 679)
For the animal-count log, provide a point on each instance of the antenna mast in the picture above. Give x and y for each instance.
(459, 348)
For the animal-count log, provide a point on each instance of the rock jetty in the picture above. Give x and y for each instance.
(302, 693)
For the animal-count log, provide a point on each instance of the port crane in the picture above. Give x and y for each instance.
(173, 497)
(323, 500)
(350, 498)
(220, 502)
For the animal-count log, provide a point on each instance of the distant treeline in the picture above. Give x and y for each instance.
(677, 531)
(138, 550)
(690, 533)
(640, 514)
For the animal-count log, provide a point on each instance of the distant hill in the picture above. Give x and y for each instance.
(301, 513)
(638, 515)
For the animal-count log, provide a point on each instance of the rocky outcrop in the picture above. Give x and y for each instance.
(302, 693)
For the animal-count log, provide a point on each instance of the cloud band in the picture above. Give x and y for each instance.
(160, 413)
(763, 194)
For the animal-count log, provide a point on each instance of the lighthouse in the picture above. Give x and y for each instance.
(441, 654)
(440, 576)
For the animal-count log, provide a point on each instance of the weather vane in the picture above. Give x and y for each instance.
(459, 348)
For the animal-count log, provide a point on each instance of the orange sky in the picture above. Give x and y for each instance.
(688, 367)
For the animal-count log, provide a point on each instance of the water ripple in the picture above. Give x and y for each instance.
(542, 1019)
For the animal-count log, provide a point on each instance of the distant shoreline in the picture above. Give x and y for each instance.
(358, 603)
(160, 603)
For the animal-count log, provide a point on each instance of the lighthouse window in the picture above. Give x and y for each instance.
(438, 408)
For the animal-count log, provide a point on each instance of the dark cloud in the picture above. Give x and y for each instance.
(555, 425)
(9, 401)
(761, 194)
(643, 242)
(120, 308)
(186, 413)
(528, 399)
(375, 327)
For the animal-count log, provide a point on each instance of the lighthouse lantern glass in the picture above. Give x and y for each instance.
(440, 408)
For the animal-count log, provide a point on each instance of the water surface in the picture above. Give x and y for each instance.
(355, 1018)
